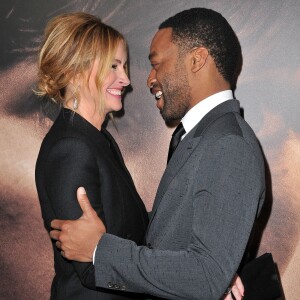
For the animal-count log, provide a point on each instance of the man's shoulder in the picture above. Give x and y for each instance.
(226, 124)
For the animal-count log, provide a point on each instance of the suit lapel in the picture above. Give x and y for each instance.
(180, 156)
(114, 147)
(103, 140)
(118, 156)
(187, 146)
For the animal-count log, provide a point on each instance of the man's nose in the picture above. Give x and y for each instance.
(151, 78)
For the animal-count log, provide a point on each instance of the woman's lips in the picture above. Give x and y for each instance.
(115, 92)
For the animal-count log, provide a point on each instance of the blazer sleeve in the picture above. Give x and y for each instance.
(225, 205)
(69, 165)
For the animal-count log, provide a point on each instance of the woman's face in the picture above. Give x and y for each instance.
(116, 81)
(111, 90)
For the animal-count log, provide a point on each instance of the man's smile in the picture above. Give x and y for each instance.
(158, 95)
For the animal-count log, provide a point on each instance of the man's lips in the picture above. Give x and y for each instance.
(155, 90)
(158, 97)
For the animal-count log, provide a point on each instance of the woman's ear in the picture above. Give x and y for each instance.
(76, 80)
(73, 87)
(198, 58)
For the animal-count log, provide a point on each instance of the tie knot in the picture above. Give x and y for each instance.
(179, 131)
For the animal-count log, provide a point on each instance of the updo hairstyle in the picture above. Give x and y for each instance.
(72, 42)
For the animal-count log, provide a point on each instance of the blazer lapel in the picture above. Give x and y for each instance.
(187, 146)
(114, 148)
(118, 160)
(180, 156)
(101, 139)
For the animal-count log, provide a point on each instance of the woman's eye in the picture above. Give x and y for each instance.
(114, 67)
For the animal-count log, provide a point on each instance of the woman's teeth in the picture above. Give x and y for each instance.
(114, 92)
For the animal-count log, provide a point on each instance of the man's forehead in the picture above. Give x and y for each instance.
(161, 42)
(162, 36)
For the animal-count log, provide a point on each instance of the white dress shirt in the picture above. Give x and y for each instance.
(196, 113)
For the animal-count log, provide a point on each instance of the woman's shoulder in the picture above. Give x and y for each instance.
(70, 125)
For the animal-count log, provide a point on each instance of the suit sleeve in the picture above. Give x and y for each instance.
(70, 165)
(225, 201)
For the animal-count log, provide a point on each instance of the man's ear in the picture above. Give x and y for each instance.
(198, 58)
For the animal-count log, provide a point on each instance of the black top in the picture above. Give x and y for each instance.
(74, 153)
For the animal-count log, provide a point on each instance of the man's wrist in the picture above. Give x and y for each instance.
(94, 253)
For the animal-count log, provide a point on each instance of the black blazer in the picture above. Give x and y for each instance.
(74, 153)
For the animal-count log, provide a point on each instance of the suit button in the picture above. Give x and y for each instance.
(116, 286)
(110, 285)
(149, 246)
(123, 287)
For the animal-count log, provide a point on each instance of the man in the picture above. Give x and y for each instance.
(213, 186)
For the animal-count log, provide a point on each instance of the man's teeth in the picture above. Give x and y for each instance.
(158, 95)
(115, 92)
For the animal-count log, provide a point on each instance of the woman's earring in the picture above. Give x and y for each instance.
(75, 103)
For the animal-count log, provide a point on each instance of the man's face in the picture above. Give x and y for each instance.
(168, 78)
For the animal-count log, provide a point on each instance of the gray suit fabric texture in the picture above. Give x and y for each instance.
(206, 204)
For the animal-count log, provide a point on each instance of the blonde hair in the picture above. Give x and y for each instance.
(72, 42)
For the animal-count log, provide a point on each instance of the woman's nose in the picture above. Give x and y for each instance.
(124, 79)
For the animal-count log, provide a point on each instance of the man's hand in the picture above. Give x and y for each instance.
(78, 239)
(237, 289)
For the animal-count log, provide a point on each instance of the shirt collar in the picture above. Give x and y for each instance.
(197, 112)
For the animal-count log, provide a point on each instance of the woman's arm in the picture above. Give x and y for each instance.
(71, 164)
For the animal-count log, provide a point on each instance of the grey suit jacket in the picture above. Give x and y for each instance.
(204, 210)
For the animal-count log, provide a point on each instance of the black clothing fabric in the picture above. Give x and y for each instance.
(73, 154)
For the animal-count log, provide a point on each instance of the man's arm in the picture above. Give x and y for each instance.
(225, 202)
(82, 236)
(209, 263)
(78, 239)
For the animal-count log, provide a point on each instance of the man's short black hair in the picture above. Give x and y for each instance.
(202, 27)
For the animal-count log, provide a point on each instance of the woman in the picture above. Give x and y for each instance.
(83, 68)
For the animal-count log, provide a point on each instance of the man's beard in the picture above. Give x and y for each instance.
(176, 96)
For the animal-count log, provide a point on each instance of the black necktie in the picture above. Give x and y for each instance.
(176, 138)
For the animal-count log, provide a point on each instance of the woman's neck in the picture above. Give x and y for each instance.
(90, 114)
